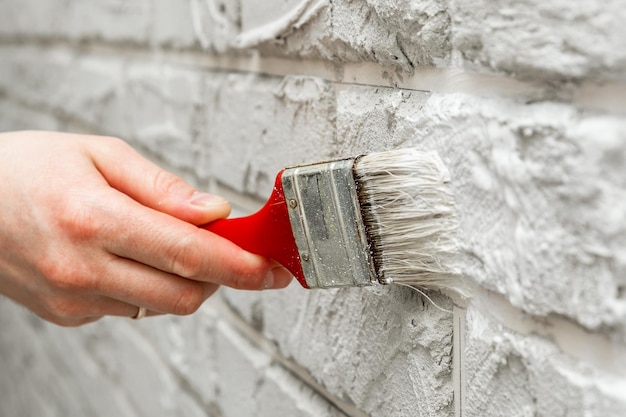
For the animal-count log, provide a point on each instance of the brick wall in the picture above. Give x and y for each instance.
(526, 104)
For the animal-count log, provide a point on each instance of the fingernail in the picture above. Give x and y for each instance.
(207, 200)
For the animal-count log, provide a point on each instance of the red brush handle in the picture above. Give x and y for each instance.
(267, 232)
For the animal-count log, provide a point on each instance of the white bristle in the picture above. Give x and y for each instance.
(408, 209)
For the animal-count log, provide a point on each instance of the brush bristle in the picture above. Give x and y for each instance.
(408, 210)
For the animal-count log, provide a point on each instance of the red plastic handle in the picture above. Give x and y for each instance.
(267, 232)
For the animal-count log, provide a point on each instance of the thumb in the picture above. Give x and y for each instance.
(130, 173)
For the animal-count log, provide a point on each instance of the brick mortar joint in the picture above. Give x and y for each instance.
(589, 93)
(560, 330)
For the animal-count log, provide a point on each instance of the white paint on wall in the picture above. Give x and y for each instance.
(526, 105)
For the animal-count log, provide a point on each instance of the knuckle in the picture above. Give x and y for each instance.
(189, 300)
(186, 257)
(113, 142)
(60, 275)
(246, 280)
(79, 221)
(165, 182)
(249, 275)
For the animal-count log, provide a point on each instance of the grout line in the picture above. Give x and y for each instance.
(458, 362)
(606, 95)
(572, 338)
(262, 343)
(359, 73)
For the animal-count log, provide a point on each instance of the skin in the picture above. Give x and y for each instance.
(90, 229)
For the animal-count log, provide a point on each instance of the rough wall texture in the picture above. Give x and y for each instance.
(524, 101)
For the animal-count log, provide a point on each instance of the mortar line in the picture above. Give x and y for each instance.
(603, 94)
(458, 363)
(570, 337)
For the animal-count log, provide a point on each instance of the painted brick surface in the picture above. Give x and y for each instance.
(530, 376)
(543, 176)
(227, 93)
(404, 340)
(17, 117)
(136, 370)
(555, 158)
(277, 111)
(113, 20)
(93, 371)
(533, 40)
(555, 40)
(252, 385)
(156, 106)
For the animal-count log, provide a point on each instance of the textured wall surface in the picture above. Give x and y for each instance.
(524, 101)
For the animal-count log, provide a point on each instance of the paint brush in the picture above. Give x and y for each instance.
(386, 217)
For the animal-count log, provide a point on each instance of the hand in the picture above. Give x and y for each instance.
(90, 228)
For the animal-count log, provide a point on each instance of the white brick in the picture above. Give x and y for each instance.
(161, 106)
(110, 20)
(258, 125)
(403, 34)
(132, 363)
(46, 81)
(215, 23)
(256, 15)
(154, 107)
(31, 18)
(542, 39)
(172, 24)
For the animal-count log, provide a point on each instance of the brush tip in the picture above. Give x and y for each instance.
(407, 205)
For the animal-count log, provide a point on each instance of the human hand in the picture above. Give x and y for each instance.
(90, 228)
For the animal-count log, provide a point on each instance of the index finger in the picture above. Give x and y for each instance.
(174, 246)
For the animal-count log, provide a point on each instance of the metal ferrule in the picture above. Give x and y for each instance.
(326, 222)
